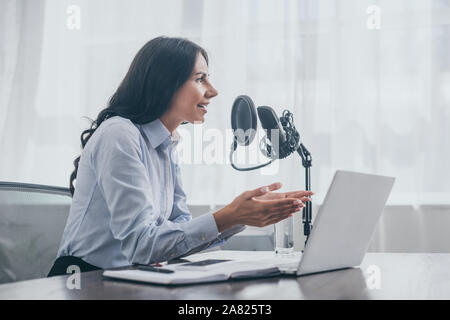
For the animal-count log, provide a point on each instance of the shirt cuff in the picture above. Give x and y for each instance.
(201, 230)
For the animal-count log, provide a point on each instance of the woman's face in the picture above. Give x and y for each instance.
(190, 102)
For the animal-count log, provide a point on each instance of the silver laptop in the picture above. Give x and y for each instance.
(344, 224)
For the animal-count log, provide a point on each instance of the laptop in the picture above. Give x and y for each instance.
(343, 229)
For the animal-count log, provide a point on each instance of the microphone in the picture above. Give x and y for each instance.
(282, 139)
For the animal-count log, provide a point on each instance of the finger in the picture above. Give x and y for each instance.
(263, 190)
(299, 194)
(267, 204)
(273, 195)
(275, 186)
(272, 207)
(277, 210)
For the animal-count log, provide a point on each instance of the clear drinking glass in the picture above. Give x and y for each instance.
(284, 236)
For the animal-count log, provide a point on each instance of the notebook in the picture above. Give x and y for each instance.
(188, 273)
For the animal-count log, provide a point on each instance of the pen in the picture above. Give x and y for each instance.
(150, 268)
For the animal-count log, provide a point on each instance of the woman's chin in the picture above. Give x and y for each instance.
(199, 120)
(196, 121)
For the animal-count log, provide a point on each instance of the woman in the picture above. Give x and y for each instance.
(129, 206)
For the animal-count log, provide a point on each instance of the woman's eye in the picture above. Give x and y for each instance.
(200, 79)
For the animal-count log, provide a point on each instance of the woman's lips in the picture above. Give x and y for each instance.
(202, 108)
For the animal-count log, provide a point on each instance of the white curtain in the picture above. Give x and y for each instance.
(368, 83)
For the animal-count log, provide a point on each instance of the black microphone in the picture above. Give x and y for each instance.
(282, 139)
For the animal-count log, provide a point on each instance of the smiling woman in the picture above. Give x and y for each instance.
(129, 205)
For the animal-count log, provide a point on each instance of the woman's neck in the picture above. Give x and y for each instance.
(170, 123)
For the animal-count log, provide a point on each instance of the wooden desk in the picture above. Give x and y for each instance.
(401, 276)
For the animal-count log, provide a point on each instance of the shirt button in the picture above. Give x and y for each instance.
(203, 238)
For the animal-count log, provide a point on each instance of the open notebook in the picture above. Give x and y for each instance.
(234, 265)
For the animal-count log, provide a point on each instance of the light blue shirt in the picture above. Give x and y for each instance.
(129, 205)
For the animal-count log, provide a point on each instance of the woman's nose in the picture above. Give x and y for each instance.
(211, 92)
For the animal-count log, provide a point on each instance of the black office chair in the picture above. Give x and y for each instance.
(32, 220)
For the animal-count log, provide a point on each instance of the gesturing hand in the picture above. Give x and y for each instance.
(260, 207)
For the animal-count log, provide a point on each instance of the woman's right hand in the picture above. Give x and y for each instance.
(246, 209)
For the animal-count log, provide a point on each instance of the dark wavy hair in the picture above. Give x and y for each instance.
(158, 70)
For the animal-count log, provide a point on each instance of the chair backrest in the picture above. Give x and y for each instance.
(32, 220)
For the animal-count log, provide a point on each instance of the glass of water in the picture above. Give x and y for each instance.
(284, 236)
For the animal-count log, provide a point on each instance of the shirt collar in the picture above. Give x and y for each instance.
(159, 135)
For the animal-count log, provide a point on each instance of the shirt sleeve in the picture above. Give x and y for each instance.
(125, 184)
(180, 211)
(219, 241)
